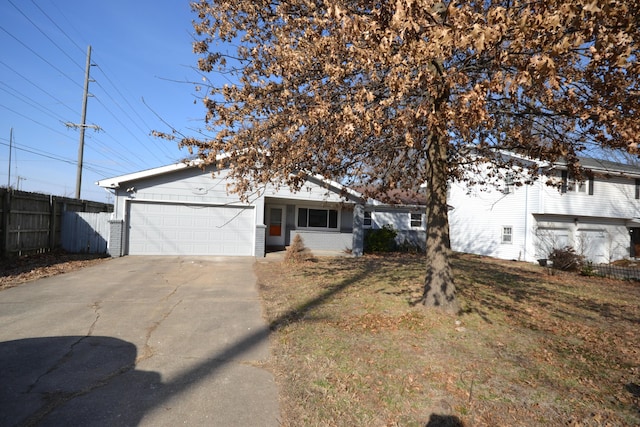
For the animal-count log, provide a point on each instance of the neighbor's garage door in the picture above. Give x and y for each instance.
(593, 245)
(183, 229)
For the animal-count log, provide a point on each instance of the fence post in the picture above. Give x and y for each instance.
(52, 222)
(6, 215)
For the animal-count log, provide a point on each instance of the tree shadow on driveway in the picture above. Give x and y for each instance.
(93, 380)
(71, 380)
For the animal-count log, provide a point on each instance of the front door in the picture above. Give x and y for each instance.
(275, 225)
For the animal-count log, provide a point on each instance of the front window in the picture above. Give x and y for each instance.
(571, 185)
(509, 183)
(416, 220)
(507, 235)
(367, 219)
(317, 218)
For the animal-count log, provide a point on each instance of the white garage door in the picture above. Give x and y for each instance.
(593, 245)
(183, 229)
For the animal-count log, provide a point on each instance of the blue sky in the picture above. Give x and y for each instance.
(142, 52)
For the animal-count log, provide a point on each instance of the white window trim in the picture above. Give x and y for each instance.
(298, 207)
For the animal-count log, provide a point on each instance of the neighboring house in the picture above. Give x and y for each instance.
(182, 209)
(405, 212)
(599, 218)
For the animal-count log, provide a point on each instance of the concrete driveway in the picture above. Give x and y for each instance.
(150, 341)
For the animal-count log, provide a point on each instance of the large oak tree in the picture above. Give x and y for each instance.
(395, 94)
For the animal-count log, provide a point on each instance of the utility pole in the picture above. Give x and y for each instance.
(10, 150)
(83, 124)
(18, 179)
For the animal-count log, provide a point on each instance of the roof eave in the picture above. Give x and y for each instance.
(115, 182)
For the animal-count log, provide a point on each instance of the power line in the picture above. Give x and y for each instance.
(34, 121)
(30, 101)
(41, 57)
(38, 87)
(42, 108)
(99, 144)
(127, 129)
(45, 34)
(109, 95)
(113, 95)
(57, 26)
(91, 166)
(121, 95)
(126, 115)
(161, 147)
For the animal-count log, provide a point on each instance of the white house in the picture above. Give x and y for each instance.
(599, 218)
(183, 209)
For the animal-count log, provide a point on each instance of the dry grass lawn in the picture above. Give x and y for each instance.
(351, 347)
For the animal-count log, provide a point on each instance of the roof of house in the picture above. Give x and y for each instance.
(117, 181)
(396, 196)
(147, 173)
(589, 163)
(606, 166)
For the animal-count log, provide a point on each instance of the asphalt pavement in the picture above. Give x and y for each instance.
(138, 341)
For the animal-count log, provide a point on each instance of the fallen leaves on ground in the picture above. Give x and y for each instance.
(17, 270)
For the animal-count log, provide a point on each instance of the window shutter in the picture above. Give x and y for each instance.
(565, 181)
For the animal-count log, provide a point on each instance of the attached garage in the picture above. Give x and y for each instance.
(593, 245)
(169, 228)
(188, 209)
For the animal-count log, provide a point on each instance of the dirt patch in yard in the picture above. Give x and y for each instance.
(14, 271)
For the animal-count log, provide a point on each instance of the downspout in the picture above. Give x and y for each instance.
(526, 219)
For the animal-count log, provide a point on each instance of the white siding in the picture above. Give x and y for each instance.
(398, 219)
(190, 185)
(542, 218)
(612, 198)
(478, 217)
(312, 190)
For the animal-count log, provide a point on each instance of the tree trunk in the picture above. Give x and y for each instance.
(439, 288)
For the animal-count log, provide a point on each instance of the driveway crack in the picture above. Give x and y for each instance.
(147, 349)
(56, 400)
(96, 309)
(65, 357)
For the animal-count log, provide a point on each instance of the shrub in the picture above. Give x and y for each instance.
(297, 251)
(566, 259)
(381, 240)
(588, 270)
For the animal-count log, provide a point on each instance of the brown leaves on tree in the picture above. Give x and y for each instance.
(358, 91)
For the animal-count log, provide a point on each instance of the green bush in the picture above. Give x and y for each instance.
(588, 270)
(381, 240)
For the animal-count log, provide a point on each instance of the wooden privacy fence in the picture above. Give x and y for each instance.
(32, 222)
